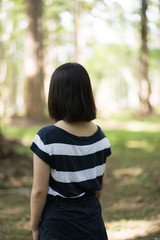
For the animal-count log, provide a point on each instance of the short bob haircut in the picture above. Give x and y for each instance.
(70, 94)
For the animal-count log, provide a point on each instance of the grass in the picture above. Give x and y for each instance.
(130, 200)
(22, 132)
(132, 191)
(14, 217)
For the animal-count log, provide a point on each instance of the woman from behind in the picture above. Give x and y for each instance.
(70, 162)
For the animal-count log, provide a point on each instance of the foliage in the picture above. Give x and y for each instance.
(110, 32)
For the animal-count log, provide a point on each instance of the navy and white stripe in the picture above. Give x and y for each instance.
(71, 150)
(77, 163)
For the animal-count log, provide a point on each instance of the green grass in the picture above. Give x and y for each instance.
(27, 133)
(132, 190)
(130, 115)
(14, 217)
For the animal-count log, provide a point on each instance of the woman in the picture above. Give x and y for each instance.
(69, 162)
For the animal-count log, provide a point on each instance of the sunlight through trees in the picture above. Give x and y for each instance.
(118, 44)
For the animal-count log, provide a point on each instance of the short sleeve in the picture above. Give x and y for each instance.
(108, 152)
(108, 148)
(39, 147)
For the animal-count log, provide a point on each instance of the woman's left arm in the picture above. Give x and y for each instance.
(41, 174)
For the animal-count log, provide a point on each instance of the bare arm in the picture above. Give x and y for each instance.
(39, 192)
(103, 181)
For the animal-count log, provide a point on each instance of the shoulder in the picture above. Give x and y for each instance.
(51, 134)
(103, 136)
(45, 130)
(46, 133)
(101, 132)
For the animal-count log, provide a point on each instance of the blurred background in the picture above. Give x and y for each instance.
(118, 42)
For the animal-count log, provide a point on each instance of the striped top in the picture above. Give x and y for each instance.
(77, 163)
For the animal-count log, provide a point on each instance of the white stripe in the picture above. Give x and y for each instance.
(40, 144)
(72, 150)
(78, 176)
(54, 193)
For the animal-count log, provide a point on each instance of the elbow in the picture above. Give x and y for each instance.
(38, 193)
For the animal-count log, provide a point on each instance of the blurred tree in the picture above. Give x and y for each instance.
(54, 36)
(144, 93)
(1, 145)
(34, 61)
(77, 8)
(1, 142)
(75, 30)
(3, 66)
(12, 54)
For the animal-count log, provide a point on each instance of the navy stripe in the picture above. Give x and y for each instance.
(72, 163)
(53, 134)
(41, 154)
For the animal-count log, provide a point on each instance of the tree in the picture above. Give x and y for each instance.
(1, 145)
(144, 93)
(77, 32)
(34, 61)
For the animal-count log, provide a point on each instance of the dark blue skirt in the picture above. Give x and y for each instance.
(72, 219)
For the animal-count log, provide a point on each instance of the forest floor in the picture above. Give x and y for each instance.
(130, 201)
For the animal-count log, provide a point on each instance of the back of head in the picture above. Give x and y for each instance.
(70, 94)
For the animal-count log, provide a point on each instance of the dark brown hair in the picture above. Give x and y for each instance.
(70, 94)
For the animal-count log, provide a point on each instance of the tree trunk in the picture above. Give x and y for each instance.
(1, 143)
(1, 146)
(145, 107)
(34, 61)
(50, 59)
(3, 70)
(78, 41)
